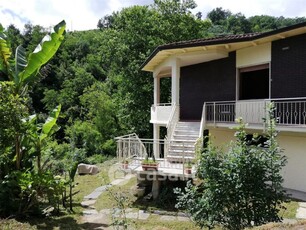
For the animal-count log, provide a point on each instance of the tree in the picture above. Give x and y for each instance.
(105, 22)
(219, 16)
(241, 187)
(238, 24)
(137, 31)
(13, 36)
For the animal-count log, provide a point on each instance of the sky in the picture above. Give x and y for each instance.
(84, 14)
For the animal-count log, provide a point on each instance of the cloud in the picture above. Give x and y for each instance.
(286, 8)
(84, 14)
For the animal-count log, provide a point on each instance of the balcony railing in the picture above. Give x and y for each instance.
(161, 113)
(132, 148)
(289, 112)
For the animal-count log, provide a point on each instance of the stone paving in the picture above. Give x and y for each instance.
(102, 219)
(301, 211)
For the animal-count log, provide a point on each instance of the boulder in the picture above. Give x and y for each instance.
(87, 169)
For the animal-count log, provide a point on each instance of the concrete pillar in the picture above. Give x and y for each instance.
(175, 82)
(156, 89)
(156, 136)
(155, 187)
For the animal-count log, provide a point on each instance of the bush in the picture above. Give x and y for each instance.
(240, 188)
(97, 159)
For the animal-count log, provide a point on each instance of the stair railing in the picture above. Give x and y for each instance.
(199, 141)
(203, 120)
(129, 146)
(173, 119)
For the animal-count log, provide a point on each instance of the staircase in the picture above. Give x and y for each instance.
(182, 145)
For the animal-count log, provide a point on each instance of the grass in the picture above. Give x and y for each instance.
(87, 183)
(290, 211)
(65, 220)
(154, 223)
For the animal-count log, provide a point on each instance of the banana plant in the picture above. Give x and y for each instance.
(5, 54)
(40, 133)
(23, 70)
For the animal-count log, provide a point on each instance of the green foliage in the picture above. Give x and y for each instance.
(97, 159)
(23, 139)
(12, 111)
(241, 187)
(225, 22)
(26, 69)
(25, 193)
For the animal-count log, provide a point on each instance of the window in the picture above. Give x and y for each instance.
(254, 82)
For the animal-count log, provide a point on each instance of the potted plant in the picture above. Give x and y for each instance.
(149, 164)
(188, 167)
(125, 164)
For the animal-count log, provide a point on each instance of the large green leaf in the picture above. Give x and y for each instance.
(43, 53)
(20, 59)
(50, 123)
(20, 62)
(5, 53)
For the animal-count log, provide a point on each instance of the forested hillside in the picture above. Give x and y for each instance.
(96, 74)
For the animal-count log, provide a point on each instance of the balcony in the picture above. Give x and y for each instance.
(290, 113)
(160, 113)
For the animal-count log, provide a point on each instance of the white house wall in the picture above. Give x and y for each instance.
(293, 145)
(253, 55)
(295, 170)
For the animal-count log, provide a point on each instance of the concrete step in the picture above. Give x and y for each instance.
(189, 123)
(186, 132)
(181, 152)
(182, 147)
(185, 137)
(179, 159)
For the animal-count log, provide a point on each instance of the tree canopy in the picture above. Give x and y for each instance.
(100, 69)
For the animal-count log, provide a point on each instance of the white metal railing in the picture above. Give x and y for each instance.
(173, 119)
(288, 111)
(129, 146)
(134, 149)
(222, 111)
(203, 121)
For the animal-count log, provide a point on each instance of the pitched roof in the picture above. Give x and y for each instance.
(209, 41)
(227, 39)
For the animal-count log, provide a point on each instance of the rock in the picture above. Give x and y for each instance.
(87, 169)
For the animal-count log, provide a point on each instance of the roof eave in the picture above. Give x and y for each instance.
(219, 42)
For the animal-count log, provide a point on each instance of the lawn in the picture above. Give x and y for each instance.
(86, 184)
(66, 220)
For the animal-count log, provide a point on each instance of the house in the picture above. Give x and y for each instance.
(215, 80)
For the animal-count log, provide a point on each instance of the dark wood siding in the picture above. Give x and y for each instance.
(208, 81)
(288, 67)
